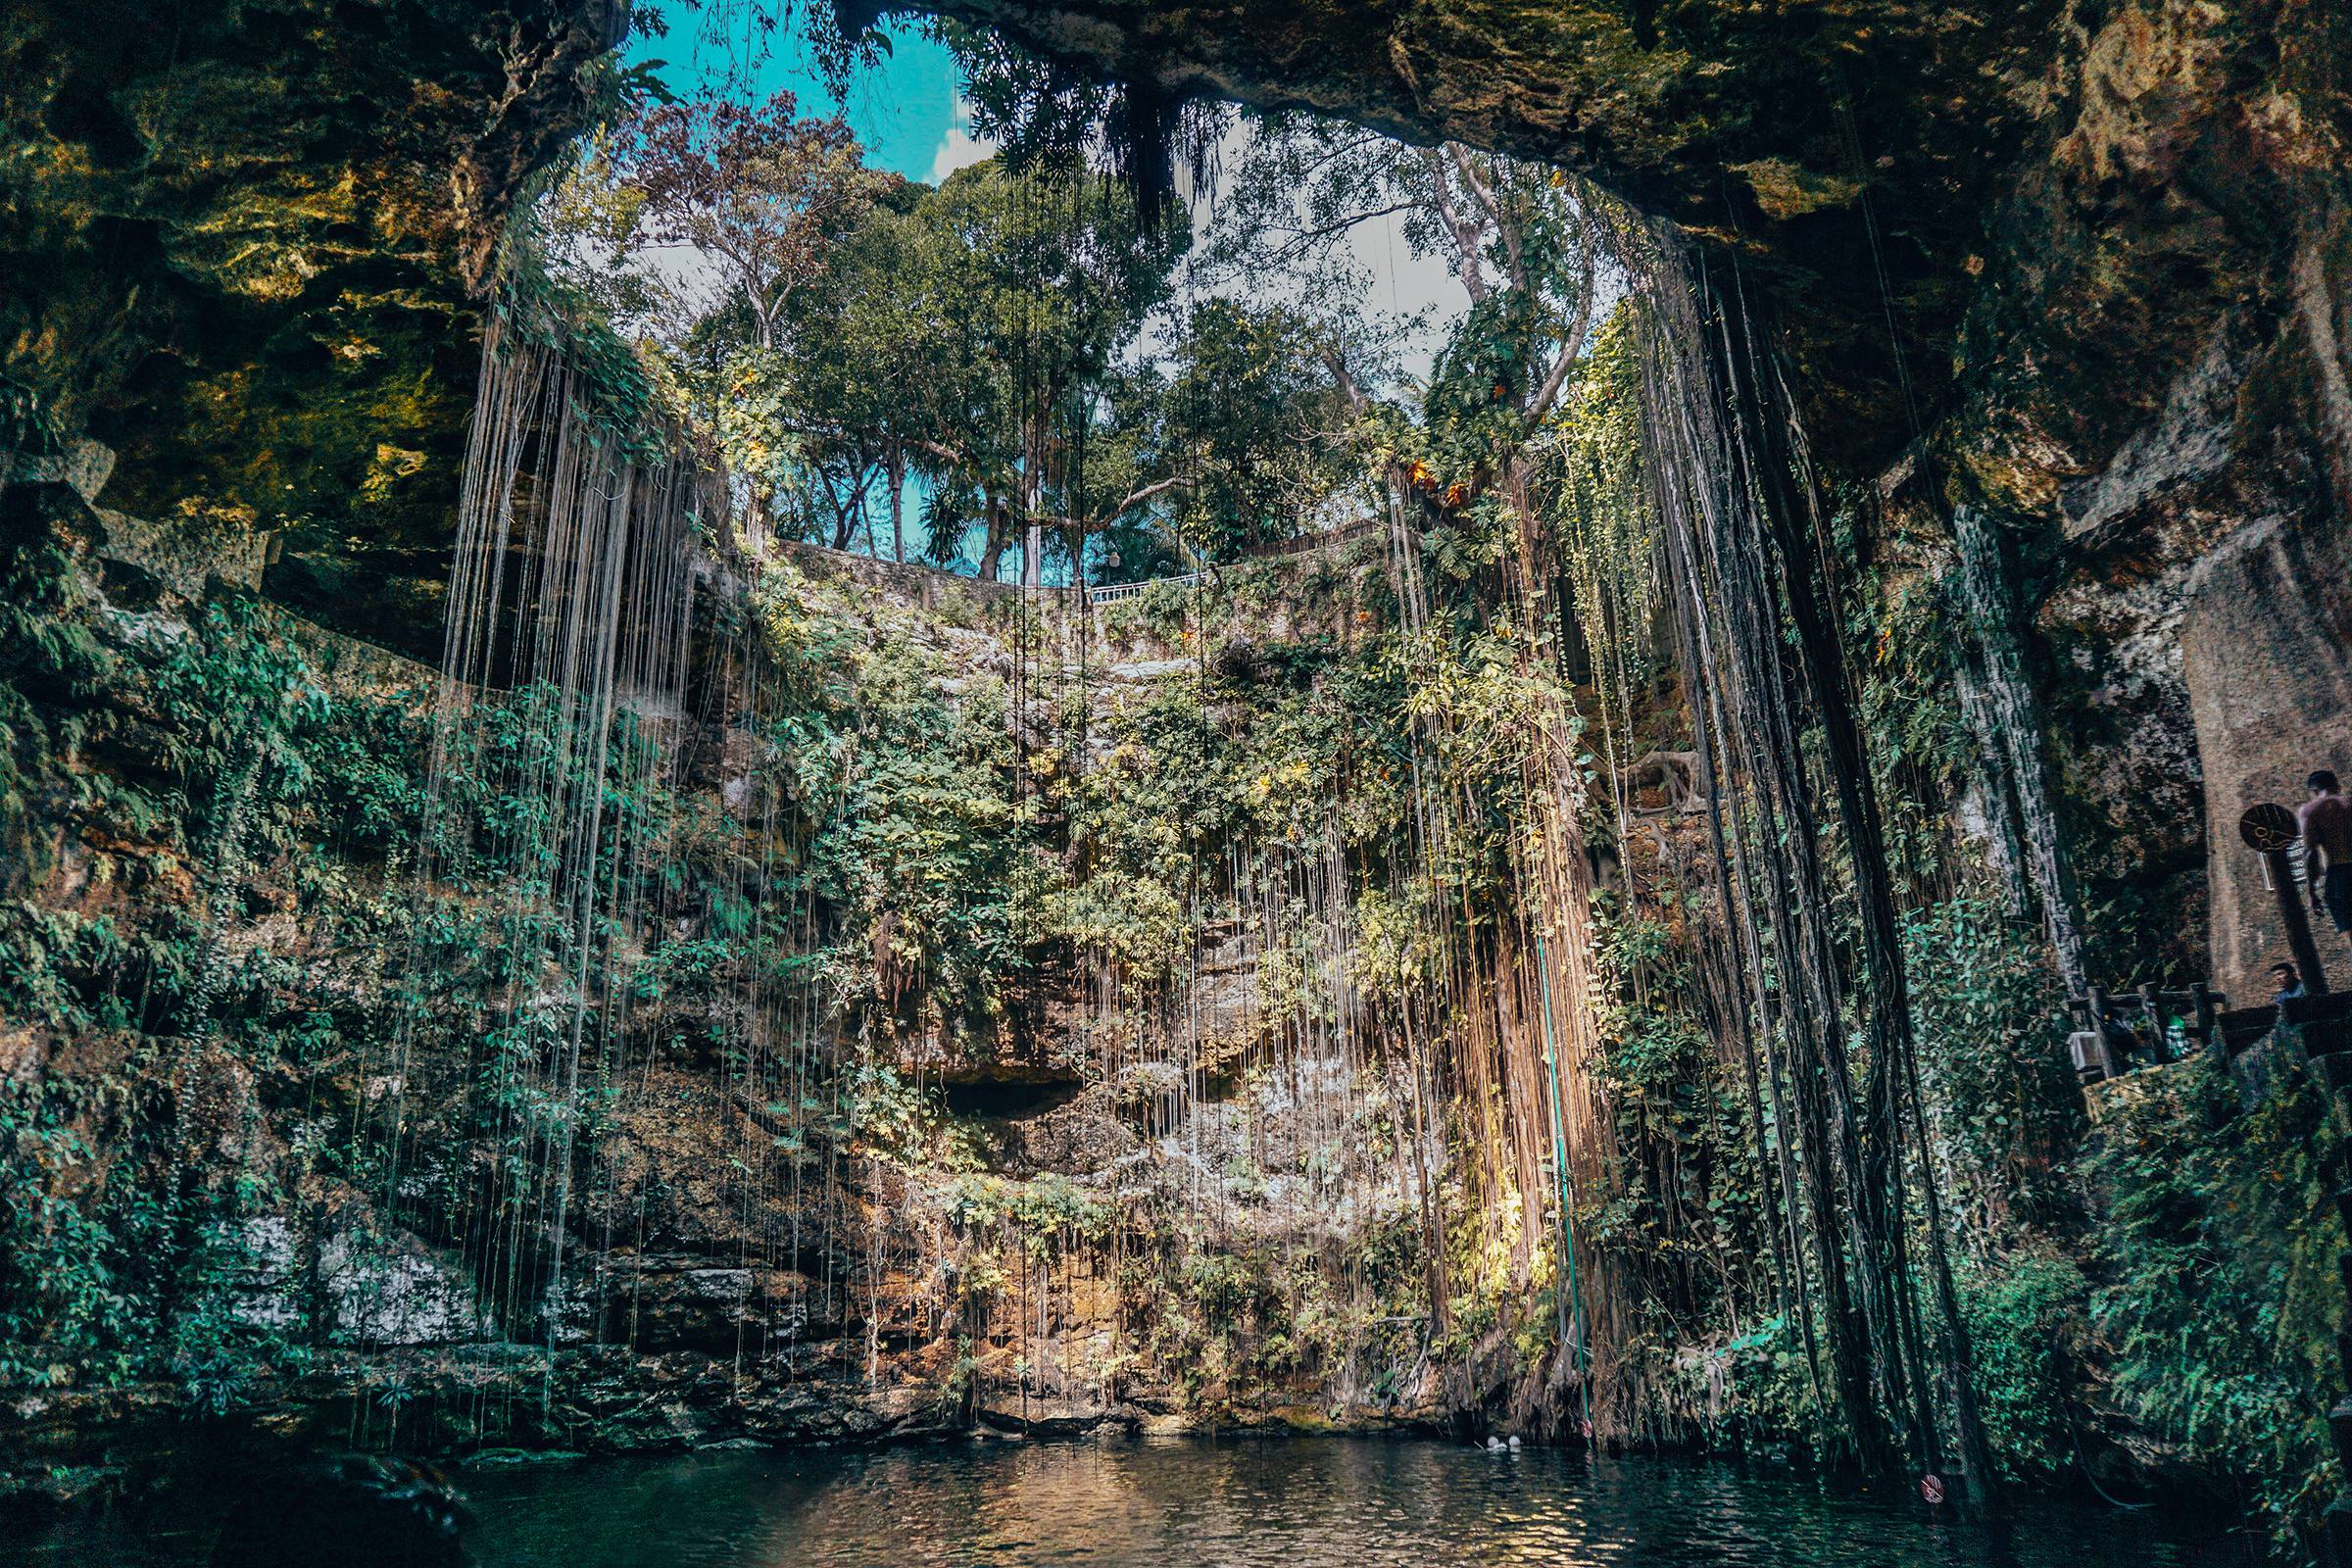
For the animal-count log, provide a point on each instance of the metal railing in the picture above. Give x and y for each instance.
(1112, 593)
(1300, 544)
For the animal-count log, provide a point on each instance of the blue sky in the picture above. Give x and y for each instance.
(906, 111)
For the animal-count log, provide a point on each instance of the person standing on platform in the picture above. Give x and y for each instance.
(2326, 823)
(2288, 982)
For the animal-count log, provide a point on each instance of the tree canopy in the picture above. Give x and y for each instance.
(979, 330)
(1038, 354)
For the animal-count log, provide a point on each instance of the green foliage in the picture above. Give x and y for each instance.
(960, 1385)
(2220, 1300)
(633, 393)
(26, 424)
(917, 845)
(1601, 508)
(941, 839)
(1773, 1384)
(2027, 1316)
(74, 1300)
(214, 768)
(1043, 1215)
(1906, 700)
(1643, 1015)
(973, 331)
(218, 1352)
(1194, 769)
(1254, 413)
(2003, 1109)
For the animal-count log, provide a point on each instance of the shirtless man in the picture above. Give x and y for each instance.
(2326, 819)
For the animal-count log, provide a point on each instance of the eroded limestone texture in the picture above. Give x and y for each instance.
(2268, 638)
(2083, 269)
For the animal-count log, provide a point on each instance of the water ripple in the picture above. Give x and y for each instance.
(1292, 1503)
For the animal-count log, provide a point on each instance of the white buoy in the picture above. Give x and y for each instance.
(1514, 1439)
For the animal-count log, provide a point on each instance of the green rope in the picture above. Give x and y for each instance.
(1560, 1171)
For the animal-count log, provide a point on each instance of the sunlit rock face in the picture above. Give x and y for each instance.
(2085, 271)
(2085, 267)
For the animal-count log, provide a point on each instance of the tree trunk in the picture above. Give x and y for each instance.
(838, 534)
(1033, 488)
(898, 494)
(992, 558)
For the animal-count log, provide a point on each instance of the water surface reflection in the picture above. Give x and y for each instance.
(1286, 1503)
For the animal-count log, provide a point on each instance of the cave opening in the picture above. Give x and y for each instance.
(1564, 737)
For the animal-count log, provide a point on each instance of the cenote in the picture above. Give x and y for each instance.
(1310, 1502)
(753, 737)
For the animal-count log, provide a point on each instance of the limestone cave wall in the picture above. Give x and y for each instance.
(216, 808)
(243, 248)
(2086, 268)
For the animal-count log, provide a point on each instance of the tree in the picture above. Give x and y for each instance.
(1258, 421)
(1503, 370)
(977, 332)
(859, 353)
(1518, 237)
(761, 200)
(587, 234)
(760, 194)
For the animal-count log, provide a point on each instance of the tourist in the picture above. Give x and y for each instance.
(2288, 982)
(2326, 822)
(2124, 1042)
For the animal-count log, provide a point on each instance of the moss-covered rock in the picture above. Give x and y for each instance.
(241, 246)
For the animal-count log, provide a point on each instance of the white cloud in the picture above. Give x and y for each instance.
(960, 148)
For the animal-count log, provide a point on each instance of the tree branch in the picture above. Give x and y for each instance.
(1356, 401)
(1106, 518)
(1574, 344)
(1541, 403)
(1515, 264)
(1486, 198)
(1138, 498)
(1339, 152)
(1300, 237)
(1466, 233)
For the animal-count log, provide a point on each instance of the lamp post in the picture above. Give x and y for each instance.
(2268, 829)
